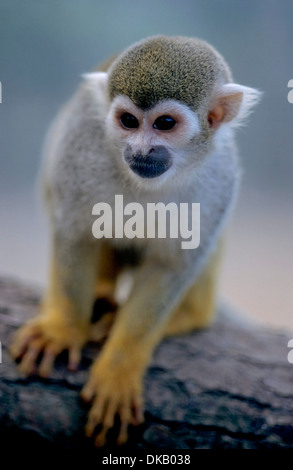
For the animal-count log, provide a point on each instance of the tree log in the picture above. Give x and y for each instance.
(228, 386)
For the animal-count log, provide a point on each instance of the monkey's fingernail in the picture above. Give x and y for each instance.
(101, 438)
(123, 436)
(74, 359)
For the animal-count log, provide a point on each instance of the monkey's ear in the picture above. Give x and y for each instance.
(98, 80)
(231, 102)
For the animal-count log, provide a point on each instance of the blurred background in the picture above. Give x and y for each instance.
(44, 49)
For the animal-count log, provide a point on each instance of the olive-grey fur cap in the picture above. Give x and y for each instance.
(162, 67)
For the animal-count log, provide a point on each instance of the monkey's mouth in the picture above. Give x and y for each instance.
(148, 167)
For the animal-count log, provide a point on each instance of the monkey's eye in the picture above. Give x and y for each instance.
(164, 123)
(129, 121)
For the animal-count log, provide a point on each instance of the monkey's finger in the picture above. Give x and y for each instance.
(138, 415)
(88, 392)
(21, 341)
(96, 414)
(110, 413)
(90, 425)
(125, 418)
(100, 439)
(108, 421)
(93, 421)
(123, 433)
(74, 358)
(29, 359)
(50, 353)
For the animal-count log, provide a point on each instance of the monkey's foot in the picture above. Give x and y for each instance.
(45, 338)
(112, 394)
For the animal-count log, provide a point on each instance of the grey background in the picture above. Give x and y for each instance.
(45, 46)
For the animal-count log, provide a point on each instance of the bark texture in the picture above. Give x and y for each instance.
(230, 386)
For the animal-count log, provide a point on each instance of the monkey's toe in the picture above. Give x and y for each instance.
(111, 401)
(38, 343)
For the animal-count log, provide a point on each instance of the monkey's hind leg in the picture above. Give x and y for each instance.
(105, 306)
(198, 305)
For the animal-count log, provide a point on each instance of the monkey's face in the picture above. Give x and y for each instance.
(167, 102)
(152, 143)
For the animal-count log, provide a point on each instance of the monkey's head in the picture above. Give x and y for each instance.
(168, 99)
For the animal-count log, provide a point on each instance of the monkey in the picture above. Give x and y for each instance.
(156, 124)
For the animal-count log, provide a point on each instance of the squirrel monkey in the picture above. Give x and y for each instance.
(155, 125)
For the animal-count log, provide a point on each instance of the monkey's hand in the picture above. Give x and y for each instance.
(113, 390)
(63, 323)
(44, 338)
(115, 383)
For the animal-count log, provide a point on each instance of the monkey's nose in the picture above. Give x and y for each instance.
(156, 162)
